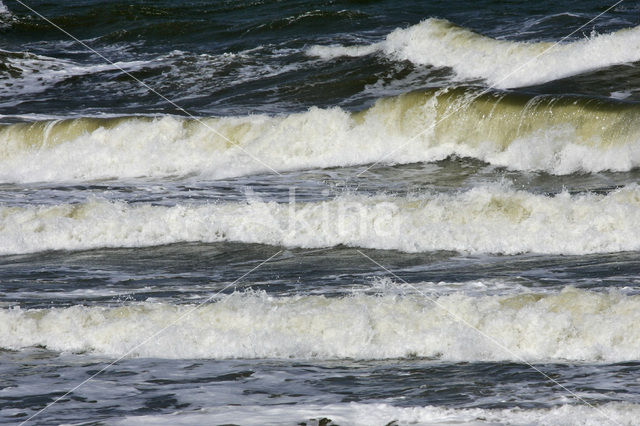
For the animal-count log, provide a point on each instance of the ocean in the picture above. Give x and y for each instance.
(336, 212)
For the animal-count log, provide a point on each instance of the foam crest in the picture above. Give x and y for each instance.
(556, 135)
(481, 220)
(502, 63)
(572, 325)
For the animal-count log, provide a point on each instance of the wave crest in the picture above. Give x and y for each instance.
(481, 220)
(502, 63)
(559, 135)
(568, 326)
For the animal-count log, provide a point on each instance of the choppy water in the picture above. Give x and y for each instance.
(449, 203)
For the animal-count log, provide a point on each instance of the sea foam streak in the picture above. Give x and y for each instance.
(502, 63)
(362, 414)
(28, 73)
(568, 326)
(491, 219)
(557, 135)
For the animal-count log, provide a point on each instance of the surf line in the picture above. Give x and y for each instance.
(491, 339)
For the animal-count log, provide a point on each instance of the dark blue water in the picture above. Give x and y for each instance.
(242, 57)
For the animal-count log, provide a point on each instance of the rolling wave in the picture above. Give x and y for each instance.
(502, 63)
(559, 135)
(490, 219)
(572, 325)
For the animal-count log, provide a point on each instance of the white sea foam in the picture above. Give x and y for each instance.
(27, 73)
(31, 73)
(482, 220)
(559, 136)
(573, 325)
(380, 414)
(501, 63)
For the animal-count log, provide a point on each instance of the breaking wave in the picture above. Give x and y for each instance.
(559, 135)
(502, 63)
(572, 325)
(492, 219)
